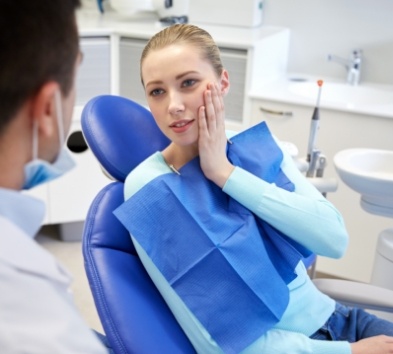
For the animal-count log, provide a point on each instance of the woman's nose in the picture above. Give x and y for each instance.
(176, 105)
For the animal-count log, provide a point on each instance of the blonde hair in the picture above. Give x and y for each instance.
(186, 34)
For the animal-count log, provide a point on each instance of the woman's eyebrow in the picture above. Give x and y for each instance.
(185, 74)
(177, 77)
(154, 82)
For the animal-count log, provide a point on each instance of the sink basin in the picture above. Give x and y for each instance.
(344, 93)
(370, 173)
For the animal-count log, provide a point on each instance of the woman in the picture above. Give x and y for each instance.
(203, 174)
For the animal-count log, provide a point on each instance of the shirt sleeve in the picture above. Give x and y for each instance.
(304, 215)
(39, 316)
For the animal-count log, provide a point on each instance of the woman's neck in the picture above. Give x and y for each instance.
(177, 156)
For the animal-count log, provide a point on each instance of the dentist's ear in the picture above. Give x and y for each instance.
(224, 82)
(43, 108)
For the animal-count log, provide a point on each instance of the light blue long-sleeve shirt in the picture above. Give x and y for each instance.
(305, 216)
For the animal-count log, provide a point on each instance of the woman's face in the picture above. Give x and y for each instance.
(175, 78)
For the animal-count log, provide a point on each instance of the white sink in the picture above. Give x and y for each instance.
(342, 92)
(370, 173)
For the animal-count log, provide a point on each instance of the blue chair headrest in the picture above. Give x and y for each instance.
(103, 121)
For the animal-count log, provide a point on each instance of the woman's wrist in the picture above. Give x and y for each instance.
(222, 174)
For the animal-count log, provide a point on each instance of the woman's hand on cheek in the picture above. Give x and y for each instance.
(212, 138)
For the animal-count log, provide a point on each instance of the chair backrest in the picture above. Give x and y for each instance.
(135, 318)
(121, 133)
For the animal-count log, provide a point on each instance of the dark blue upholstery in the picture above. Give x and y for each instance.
(120, 133)
(134, 316)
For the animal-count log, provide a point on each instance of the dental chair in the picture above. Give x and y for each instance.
(133, 314)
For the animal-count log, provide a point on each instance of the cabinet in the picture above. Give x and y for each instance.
(339, 130)
(235, 62)
(129, 75)
(94, 73)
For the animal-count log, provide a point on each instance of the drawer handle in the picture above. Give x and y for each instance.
(276, 113)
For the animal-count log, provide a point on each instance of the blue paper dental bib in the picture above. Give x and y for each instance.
(229, 267)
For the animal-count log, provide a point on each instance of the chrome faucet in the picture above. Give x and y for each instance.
(353, 65)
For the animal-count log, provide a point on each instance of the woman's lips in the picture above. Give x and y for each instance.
(181, 126)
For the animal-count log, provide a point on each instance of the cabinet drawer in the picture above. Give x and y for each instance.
(235, 62)
(93, 77)
(286, 122)
(130, 82)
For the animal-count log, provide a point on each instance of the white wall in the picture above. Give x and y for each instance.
(322, 27)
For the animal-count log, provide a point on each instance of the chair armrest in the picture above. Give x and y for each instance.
(324, 185)
(357, 294)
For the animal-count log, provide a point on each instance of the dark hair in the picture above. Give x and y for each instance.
(39, 42)
(185, 34)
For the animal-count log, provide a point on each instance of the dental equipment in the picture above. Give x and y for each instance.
(315, 160)
(312, 152)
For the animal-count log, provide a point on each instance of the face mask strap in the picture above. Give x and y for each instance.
(59, 117)
(35, 140)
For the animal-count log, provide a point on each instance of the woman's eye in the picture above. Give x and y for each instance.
(156, 92)
(187, 83)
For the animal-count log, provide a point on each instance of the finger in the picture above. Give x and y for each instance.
(209, 109)
(202, 120)
(218, 102)
(218, 98)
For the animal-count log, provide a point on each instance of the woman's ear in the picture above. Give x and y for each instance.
(43, 108)
(224, 82)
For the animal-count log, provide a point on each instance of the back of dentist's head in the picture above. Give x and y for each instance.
(39, 42)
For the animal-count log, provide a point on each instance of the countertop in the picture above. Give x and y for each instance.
(280, 91)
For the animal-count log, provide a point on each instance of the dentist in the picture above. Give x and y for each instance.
(39, 58)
